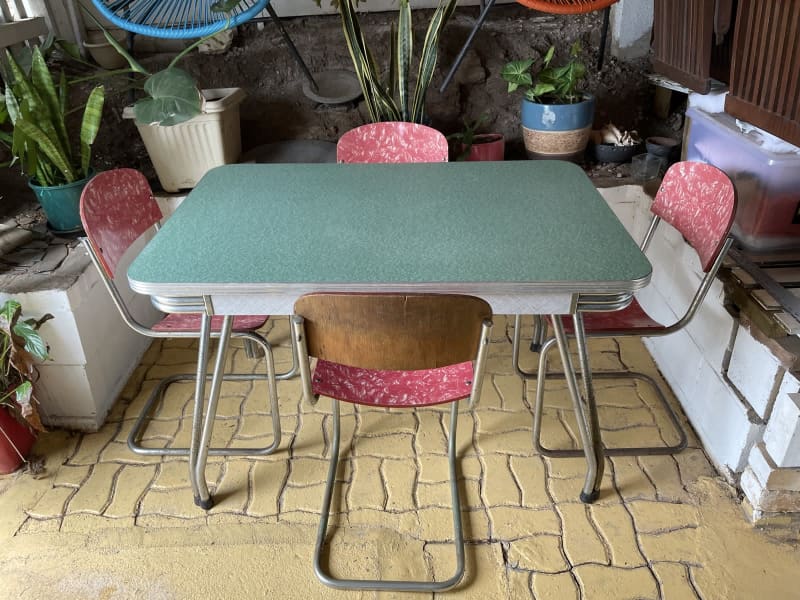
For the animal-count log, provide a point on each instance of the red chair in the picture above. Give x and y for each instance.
(117, 207)
(558, 7)
(394, 351)
(392, 142)
(699, 201)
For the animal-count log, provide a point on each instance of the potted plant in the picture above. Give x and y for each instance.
(471, 146)
(389, 96)
(556, 116)
(186, 131)
(58, 165)
(20, 346)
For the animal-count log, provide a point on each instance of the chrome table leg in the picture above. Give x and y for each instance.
(590, 443)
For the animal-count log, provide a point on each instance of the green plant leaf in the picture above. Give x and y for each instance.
(90, 125)
(71, 49)
(20, 346)
(380, 104)
(430, 54)
(174, 98)
(132, 62)
(517, 74)
(553, 84)
(52, 104)
(11, 105)
(549, 56)
(224, 6)
(404, 49)
(33, 341)
(21, 87)
(49, 147)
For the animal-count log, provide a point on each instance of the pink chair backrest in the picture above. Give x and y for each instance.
(698, 200)
(116, 208)
(392, 142)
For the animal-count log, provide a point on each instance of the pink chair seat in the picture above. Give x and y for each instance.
(632, 317)
(175, 322)
(392, 388)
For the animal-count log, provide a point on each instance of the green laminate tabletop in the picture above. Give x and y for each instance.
(512, 228)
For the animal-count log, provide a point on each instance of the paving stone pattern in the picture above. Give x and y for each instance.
(526, 530)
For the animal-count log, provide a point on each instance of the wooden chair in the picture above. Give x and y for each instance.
(117, 207)
(558, 7)
(700, 202)
(392, 142)
(394, 351)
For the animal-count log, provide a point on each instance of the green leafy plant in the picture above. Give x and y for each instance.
(550, 84)
(21, 346)
(37, 110)
(466, 137)
(389, 97)
(172, 94)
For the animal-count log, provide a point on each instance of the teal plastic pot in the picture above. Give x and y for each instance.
(557, 130)
(61, 204)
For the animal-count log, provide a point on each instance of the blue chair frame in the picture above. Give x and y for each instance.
(175, 19)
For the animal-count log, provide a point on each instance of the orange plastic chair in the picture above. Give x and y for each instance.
(392, 142)
(556, 7)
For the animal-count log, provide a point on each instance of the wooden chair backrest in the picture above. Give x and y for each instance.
(698, 200)
(117, 207)
(393, 331)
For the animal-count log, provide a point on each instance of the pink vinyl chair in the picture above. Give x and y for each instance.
(117, 207)
(392, 142)
(392, 351)
(699, 201)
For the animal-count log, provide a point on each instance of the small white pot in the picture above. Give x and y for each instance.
(183, 153)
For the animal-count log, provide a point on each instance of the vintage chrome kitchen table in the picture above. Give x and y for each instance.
(530, 237)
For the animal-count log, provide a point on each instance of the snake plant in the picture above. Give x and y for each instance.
(38, 112)
(390, 98)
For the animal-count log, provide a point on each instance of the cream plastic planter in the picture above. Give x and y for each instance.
(183, 153)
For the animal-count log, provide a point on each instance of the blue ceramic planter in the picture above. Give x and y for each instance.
(557, 130)
(61, 204)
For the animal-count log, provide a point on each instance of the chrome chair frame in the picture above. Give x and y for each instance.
(252, 341)
(458, 537)
(590, 304)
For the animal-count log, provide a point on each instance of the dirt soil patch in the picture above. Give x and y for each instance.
(276, 108)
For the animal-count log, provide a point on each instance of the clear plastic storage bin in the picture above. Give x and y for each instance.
(767, 183)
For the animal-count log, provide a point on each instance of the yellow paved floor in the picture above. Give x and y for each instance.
(105, 523)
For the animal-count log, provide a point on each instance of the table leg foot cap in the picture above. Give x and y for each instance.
(536, 347)
(589, 498)
(204, 504)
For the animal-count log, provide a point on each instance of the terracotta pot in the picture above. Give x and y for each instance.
(16, 441)
(487, 146)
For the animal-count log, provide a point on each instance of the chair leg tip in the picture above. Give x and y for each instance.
(204, 504)
(591, 497)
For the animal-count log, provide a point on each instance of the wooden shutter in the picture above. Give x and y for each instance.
(685, 46)
(765, 73)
